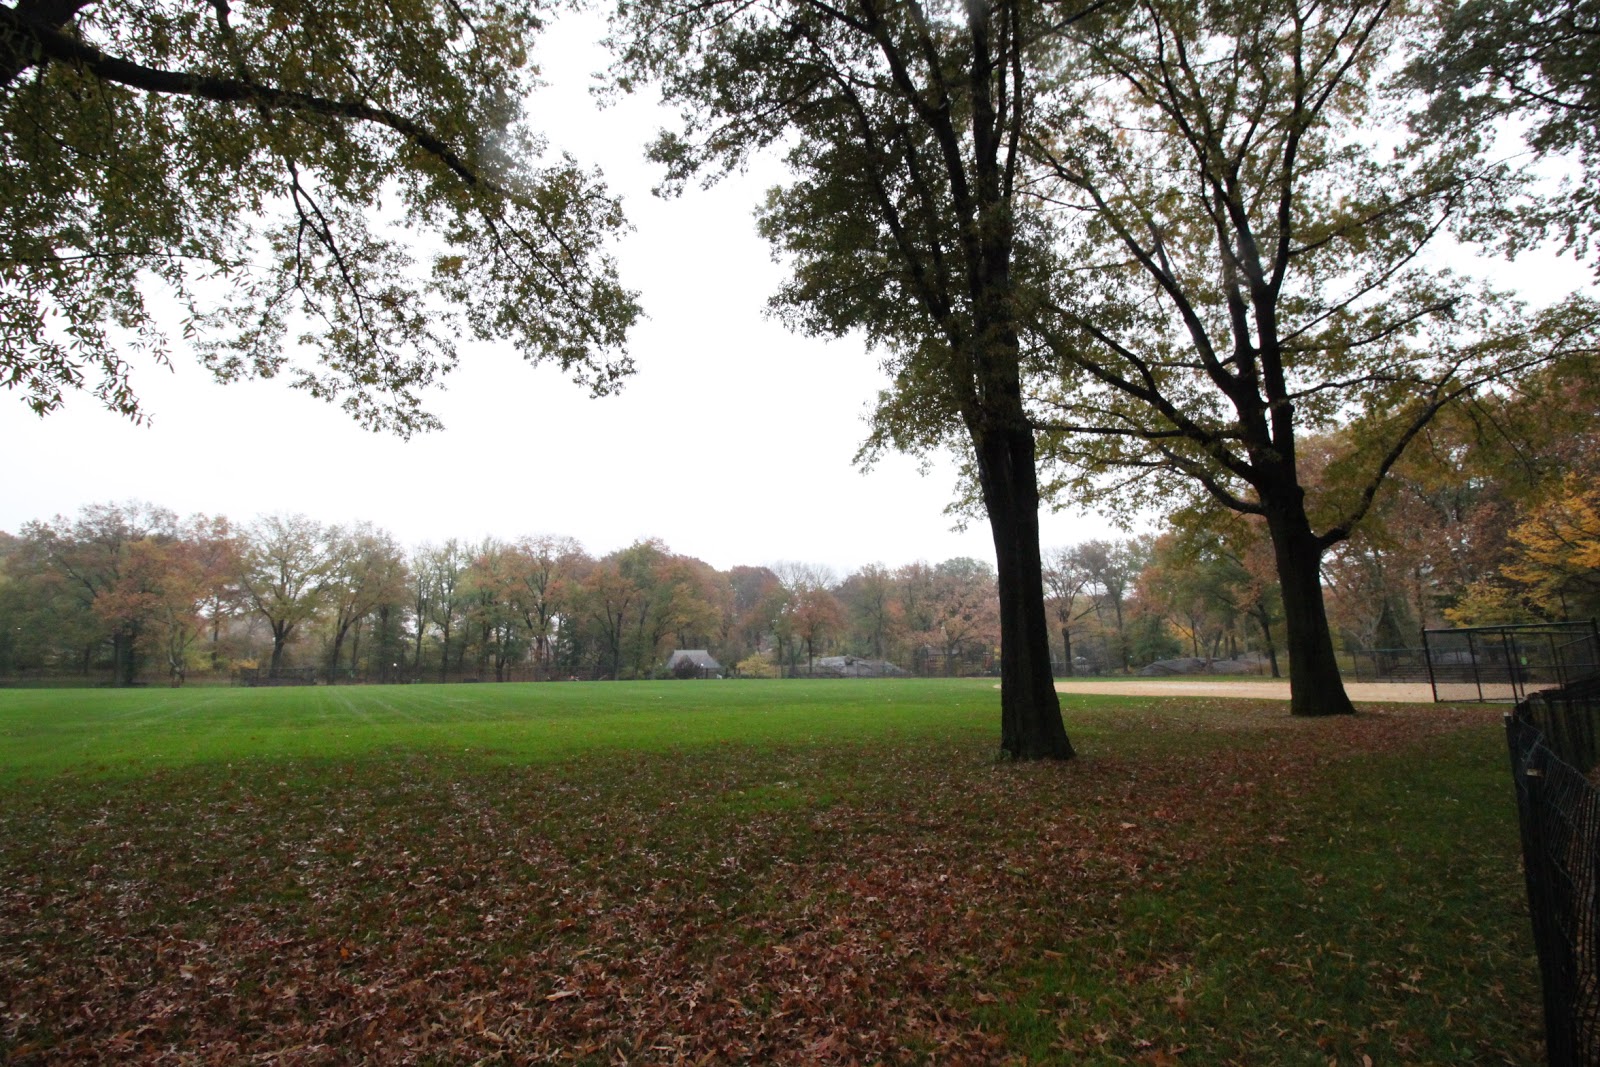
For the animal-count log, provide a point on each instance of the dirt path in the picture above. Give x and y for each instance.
(1360, 692)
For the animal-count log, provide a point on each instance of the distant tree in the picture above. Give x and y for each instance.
(758, 665)
(965, 607)
(676, 598)
(95, 562)
(175, 585)
(1215, 569)
(868, 596)
(46, 622)
(915, 594)
(492, 614)
(366, 569)
(544, 571)
(419, 602)
(284, 573)
(445, 569)
(236, 154)
(1555, 554)
(610, 597)
(1176, 584)
(816, 618)
(756, 595)
(1067, 585)
(1112, 567)
(1148, 638)
(219, 549)
(701, 609)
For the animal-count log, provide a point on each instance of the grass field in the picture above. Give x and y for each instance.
(725, 872)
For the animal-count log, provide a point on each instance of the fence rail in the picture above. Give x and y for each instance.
(1553, 746)
(1507, 663)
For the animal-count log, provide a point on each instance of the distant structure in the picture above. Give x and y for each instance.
(1249, 663)
(693, 663)
(855, 667)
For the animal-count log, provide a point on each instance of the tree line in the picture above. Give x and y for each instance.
(131, 591)
(1494, 518)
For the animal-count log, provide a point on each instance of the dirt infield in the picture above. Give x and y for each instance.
(1263, 689)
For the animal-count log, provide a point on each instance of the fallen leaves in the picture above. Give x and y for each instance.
(423, 909)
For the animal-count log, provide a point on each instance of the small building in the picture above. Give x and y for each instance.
(693, 662)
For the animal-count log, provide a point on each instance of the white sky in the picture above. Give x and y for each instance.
(732, 443)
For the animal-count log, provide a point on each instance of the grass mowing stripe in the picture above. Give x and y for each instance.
(53, 731)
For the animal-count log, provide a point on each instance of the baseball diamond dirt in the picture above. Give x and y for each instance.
(1264, 689)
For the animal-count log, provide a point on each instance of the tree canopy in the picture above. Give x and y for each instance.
(333, 192)
(1538, 62)
(1249, 229)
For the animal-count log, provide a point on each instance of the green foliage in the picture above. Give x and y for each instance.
(272, 166)
(1148, 639)
(1532, 61)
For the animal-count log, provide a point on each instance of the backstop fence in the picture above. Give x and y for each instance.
(1507, 663)
(1553, 744)
(1389, 664)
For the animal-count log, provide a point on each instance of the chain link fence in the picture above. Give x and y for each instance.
(1553, 746)
(1506, 663)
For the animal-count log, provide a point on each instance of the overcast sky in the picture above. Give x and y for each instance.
(732, 443)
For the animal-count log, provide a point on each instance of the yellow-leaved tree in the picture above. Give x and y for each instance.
(1555, 553)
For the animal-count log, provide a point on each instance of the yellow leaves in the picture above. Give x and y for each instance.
(1556, 551)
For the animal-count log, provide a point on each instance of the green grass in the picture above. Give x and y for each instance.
(748, 872)
(126, 731)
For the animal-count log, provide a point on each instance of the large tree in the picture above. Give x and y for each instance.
(284, 573)
(543, 572)
(239, 153)
(904, 223)
(1254, 264)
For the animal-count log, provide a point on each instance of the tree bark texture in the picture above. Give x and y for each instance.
(1315, 685)
(1030, 710)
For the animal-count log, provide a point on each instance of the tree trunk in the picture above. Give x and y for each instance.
(280, 637)
(1266, 633)
(339, 632)
(1030, 711)
(1122, 637)
(1066, 650)
(444, 650)
(1315, 686)
(122, 658)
